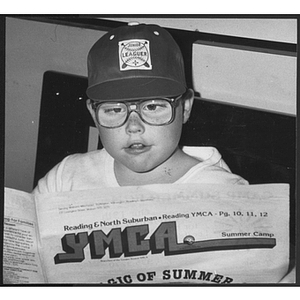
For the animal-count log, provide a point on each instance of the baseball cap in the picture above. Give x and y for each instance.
(135, 62)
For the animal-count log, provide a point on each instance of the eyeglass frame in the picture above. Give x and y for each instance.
(172, 101)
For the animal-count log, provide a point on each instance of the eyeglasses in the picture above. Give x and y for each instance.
(155, 112)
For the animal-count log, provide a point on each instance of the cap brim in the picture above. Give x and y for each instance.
(135, 88)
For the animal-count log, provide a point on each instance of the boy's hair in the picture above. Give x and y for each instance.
(135, 62)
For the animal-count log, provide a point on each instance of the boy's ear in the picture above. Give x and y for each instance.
(90, 109)
(187, 104)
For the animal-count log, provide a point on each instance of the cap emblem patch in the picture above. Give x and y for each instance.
(134, 55)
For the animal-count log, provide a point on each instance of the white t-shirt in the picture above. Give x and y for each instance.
(95, 169)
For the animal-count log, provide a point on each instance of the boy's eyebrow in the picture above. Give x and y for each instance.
(173, 98)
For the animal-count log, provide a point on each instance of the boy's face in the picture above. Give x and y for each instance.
(141, 147)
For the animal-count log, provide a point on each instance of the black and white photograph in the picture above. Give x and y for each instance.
(144, 150)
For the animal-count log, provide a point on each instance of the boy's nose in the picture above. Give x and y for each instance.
(134, 123)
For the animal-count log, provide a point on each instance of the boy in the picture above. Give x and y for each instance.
(139, 101)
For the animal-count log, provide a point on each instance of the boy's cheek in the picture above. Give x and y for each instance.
(109, 135)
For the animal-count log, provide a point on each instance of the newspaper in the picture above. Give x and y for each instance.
(21, 260)
(155, 234)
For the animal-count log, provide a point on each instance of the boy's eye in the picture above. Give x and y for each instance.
(154, 107)
(151, 107)
(113, 110)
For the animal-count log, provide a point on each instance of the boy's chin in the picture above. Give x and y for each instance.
(141, 169)
(140, 166)
(145, 165)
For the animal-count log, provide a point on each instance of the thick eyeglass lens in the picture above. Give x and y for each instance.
(156, 112)
(112, 114)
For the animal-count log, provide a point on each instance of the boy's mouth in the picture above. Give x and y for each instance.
(137, 148)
